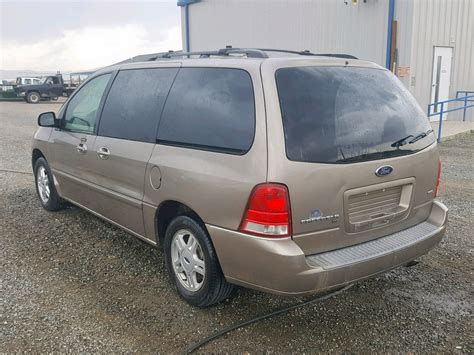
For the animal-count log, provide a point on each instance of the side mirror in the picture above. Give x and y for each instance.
(47, 119)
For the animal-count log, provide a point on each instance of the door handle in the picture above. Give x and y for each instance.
(81, 148)
(103, 153)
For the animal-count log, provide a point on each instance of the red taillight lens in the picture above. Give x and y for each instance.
(268, 212)
(438, 179)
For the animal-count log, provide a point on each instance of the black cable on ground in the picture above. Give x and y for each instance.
(15, 171)
(220, 333)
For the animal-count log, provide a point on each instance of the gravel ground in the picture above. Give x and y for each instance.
(70, 282)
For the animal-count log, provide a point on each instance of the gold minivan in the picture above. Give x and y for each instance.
(291, 173)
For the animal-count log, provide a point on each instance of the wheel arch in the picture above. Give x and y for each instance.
(167, 211)
(35, 155)
(33, 90)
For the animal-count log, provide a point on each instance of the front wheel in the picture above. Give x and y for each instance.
(45, 188)
(193, 264)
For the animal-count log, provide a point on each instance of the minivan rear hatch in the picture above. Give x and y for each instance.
(354, 149)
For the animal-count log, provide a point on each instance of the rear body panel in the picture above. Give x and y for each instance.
(280, 266)
(327, 187)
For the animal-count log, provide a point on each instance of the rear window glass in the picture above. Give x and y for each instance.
(210, 109)
(347, 114)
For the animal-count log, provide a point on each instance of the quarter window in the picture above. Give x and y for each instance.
(135, 102)
(211, 109)
(81, 112)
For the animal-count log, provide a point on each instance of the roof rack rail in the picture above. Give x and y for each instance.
(303, 52)
(307, 52)
(337, 55)
(249, 52)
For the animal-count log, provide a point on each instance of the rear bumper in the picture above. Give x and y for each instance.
(280, 266)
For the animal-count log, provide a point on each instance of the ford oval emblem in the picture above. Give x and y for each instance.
(384, 170)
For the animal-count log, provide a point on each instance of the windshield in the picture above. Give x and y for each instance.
(347, 114)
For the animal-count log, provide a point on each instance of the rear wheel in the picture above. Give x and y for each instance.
(193, 264)
(45, 188)
(33, 97)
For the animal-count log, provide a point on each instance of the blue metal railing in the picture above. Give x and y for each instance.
(464, 99)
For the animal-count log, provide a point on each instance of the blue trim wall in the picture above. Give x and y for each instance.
(182, 3)
(391, 16)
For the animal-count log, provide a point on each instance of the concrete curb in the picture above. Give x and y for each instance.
(458, 135)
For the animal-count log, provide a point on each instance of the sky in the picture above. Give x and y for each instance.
(83, 35)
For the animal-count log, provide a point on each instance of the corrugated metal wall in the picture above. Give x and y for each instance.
(447, 23)
(320, 26)
(331, 26)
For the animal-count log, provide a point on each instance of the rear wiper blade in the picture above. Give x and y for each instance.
(420, 136)
(375, 155)
(400, 142)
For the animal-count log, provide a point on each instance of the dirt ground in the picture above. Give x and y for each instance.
(71, 282)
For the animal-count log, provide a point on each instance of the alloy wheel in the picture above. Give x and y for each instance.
(42, 181)
(187, 259)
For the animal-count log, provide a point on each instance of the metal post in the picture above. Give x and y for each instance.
(186, 24)
(464, 111)
(186, 3)
(391, 16)
(440, 122)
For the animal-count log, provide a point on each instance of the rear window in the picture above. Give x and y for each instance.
(210, 109)
(347, 114)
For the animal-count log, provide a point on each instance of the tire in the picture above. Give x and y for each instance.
(45, 188)
(208, 289)
(33, 97)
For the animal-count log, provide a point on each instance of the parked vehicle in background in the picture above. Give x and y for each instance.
(21, 80)
(50, 87)
(290, 175)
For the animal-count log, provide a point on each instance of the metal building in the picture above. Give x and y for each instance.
(428, 44)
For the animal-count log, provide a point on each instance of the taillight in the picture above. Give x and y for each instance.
(438, 180)
(268, 212)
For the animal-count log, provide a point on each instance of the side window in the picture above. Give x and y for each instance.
(81, 111)
(134, 104)
(210, 108)
(27, 81)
